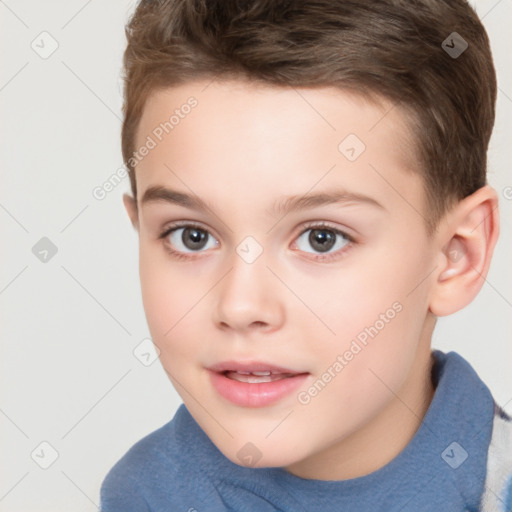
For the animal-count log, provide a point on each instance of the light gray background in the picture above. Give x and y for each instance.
(69, 326)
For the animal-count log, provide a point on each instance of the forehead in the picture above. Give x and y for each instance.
(240, 103)
(250, 138)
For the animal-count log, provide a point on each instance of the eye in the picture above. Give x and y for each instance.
(323, 239)
(188, 238)
(182, 240)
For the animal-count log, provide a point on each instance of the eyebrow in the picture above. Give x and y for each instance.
(158, 193)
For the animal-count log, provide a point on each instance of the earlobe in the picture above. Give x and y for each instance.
(130, 205)
(469, 234)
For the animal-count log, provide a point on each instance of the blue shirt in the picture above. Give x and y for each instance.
(442, 469)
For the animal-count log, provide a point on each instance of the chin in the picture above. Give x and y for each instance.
(254, 455)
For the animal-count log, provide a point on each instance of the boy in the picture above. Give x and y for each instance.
(309, 192)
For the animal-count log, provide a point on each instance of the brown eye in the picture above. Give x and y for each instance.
(194, 238)
(322, 239)
(189, 239)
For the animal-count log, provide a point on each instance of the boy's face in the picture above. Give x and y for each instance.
(335, 293)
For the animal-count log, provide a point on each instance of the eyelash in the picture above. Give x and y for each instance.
(319, 225)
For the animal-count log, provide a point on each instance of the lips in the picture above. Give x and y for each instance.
(254, 384)
(253, 373)
(235, 366)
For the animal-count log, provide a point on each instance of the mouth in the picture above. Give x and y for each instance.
(254, 384)
(256, 377)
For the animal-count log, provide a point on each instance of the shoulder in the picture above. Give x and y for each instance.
(161, 471)
(497, 495)
(126, 483)
(155, 449)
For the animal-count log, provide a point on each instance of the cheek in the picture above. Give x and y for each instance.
(377, 324)
(375, 362)
(352, 301)
(169, 301)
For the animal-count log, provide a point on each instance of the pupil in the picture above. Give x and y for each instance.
(321, 239)
(194, 238)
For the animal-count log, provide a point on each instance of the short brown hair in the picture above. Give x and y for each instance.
(388, 48)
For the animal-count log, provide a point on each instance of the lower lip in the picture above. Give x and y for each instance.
(258, 394)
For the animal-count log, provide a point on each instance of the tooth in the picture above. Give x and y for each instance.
(261, 373)
(256, 380)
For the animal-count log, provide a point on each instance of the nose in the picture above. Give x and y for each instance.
(249, 298)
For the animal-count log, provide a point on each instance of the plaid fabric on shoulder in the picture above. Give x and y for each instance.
(497, 495)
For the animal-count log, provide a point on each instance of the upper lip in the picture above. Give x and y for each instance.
(256, 366)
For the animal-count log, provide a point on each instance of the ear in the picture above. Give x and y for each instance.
(466, 240)
(130, 205)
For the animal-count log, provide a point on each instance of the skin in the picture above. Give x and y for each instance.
(242, 148)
